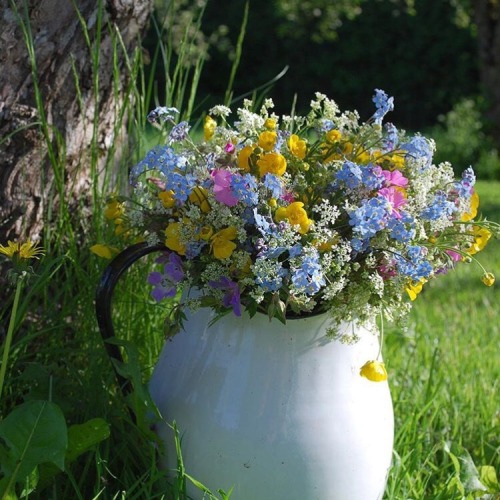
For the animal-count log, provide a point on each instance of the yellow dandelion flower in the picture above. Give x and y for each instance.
(21, 251)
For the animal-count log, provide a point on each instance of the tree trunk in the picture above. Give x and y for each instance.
(487, 18)
(48, 144)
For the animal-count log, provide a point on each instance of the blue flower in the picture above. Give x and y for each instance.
(350, 174)
(273, 183)
(465, 187)
(383, 103)
(325, 125)
(160, 158)
(440, 207)
(181, 185)
(370, 217)
(402, 229)
(272, 281)
(162, 114)
(419, 148)
(179, 132)
(414, 266)
(245, 189)
(391, 138)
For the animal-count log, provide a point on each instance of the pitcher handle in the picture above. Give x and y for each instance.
(104, 296)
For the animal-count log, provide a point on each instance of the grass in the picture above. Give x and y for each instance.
(443, 367)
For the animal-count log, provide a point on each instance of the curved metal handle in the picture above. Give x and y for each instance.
(104, 296)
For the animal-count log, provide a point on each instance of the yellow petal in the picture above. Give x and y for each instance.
(374, 371)
(104, 251)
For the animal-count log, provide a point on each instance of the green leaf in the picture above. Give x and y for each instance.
(488, 477)
(7, 495)
(83, 437)
(34, 432)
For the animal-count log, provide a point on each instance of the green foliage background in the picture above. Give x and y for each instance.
(420, 56)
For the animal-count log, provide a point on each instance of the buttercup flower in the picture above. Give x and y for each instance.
(267, 140)
(374, 371)
(272, 163)
(222, 243)
(481, 237)
(104, 251)
(209, 127)
(488, 279)
(297, 146)
(172, 238)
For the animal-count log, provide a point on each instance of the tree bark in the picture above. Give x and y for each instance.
(487, 19)
(78, 114)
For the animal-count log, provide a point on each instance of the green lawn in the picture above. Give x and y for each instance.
(444, 371)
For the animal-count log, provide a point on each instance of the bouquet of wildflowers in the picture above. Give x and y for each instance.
(295, 215)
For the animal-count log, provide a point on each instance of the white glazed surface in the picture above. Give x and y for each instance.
(277, 411)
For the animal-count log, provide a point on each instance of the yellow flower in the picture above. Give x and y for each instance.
(333, 135)
(199, 196)
(481, 238)
(414, 288)
(397, 162)
(222, 244)
(206, 233)
(21, 251)
(114, 209)
(167, 198)
(297, 146)
(296, 216)
(374, 371)
(363, 157)
(209, 127)
(270, 124)
(243, 160)
(488, 279)
(474, 205)
(172, 239)
(267, 140)
(104, 251)
(272, 163)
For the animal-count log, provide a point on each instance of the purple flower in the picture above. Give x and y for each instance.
(165, 284)
(231, 293)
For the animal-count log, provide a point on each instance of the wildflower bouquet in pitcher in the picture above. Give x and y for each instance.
(295, 215)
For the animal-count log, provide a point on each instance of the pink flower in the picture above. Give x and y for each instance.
(395, 178)
(395, 198)
(229, 148)
(455, 257)
(222, 188)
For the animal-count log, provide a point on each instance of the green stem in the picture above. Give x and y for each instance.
(10, 332)
(381, 342)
